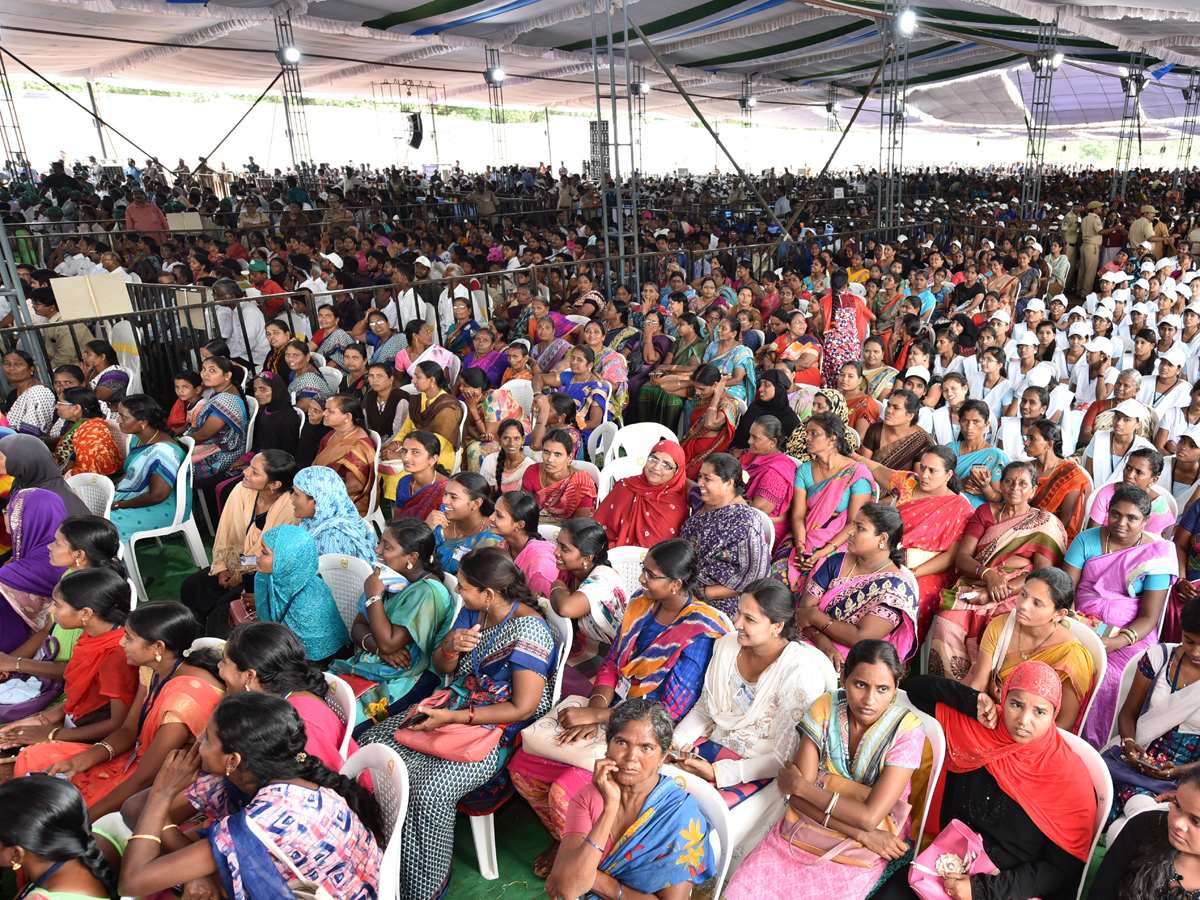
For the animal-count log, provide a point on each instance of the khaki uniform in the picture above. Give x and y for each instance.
(1089, 253)
(1070, 231)
(1140, 230)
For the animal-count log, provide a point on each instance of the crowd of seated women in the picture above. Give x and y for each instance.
(939, 494)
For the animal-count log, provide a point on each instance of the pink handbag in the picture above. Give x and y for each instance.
(456, 743)
(956, 850)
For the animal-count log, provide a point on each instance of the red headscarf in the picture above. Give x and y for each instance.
(637, 513)
(1044, 776)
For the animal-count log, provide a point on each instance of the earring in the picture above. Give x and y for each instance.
(408, 567)
(881, 545)
(158, 657)
(228, 769)
(16, 867)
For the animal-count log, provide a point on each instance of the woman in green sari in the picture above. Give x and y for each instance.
(655, 404)
(405, 612)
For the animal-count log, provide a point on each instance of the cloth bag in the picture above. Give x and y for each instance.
(301, 887)
(956, 850)
(456, 743)
(829, 844)
(541, 738)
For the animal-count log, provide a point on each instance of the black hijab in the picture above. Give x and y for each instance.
(276, 425)
(778, 406)
(32, 465)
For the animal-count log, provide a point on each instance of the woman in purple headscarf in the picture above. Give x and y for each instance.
(28, 579)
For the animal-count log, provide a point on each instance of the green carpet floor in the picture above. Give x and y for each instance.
(520, 836)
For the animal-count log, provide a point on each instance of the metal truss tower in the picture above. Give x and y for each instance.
(1044, 63)
(895, 29)
(10, 127)
(1187, 134)
(293, 102)
(1132, 81)
(494, 76)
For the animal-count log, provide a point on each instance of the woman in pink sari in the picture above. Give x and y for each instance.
(830, 489)
(1001, 544)
(935, 515)
(862, 593)
(770, 474)
(1122, 574)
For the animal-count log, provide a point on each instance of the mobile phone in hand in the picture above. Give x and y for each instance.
(413, 720)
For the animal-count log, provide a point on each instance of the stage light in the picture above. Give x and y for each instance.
(641, 87)
(1057, 60)
(906, 22)
(748, 103)
(289, 56)
(494, 75)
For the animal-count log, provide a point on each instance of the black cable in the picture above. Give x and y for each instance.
(38, 74)
(243, 118)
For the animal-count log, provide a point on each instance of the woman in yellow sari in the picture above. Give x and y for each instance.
(348, 448)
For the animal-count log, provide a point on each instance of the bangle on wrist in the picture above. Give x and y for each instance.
(54, 731)
(146, 837)
(107, 746)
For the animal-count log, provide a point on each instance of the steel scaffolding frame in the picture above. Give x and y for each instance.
(293, 103)
(10, 125)
(1043, 64)
(495, 88)
(395, 97)
(892, 116)
(1131, 122)
(1187, 133)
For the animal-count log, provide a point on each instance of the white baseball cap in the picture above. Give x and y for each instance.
(1146, 245)
(1165, 263)
(1131, 408)
(1177, 356)
(918, 372)
(1172, 320)
(1061, 298)
(1142, 283)
(1103, 312)
(1002, 315)
(1099, 345)
(1146, 267)
(1028, 339)
(1194, 306)
(423, 261)
(1189, 276)
(1080, 328)
(1120, 296)
(1040, 375)
(1037, 304)
(1141, 308)
(1115, 277)
(333, 258)
(1192, 434)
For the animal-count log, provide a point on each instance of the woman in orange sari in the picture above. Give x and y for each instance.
(88, 445)
(935, 514)
(1063, 485)
(348, 448)
(175, 697)
(710, 414)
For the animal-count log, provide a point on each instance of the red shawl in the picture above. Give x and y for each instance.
(88, 656)
(637, 513)
(1045, 776)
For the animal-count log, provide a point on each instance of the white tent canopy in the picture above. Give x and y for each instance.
(968, 60)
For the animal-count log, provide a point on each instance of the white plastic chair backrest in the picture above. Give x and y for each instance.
(183, 482)
(563, 636)
(96, 491)
(451, 583)
(1102, 784)
(715, 810)
(615, 470)
(549, 532)
(454, 370)
(345, 576)
(937, 744)
(341, 700)
(1095, 648)
(389, 784)
(579, 320)
(522, 391)
(208, 643)
(637, 441)
(600, 440)
(1156, 490)
(251, 420)
(333, 377)
(820, 661)
(303, 416)
(590, 469)
(1127, 676)
(318, 359)
(628, 563)
(770, 526)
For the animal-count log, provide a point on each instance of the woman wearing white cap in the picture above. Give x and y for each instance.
(1176, 421)
(1106, 453)
(1168, 328)
(1020, 368)
(1099, 416)
(1095, 380)
(1181, 470)
(1168, 390)
(1066, 360)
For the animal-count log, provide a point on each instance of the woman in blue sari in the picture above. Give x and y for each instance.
(502, 655)
(729, 355)
(325, 511)
(459, 338)
(220, 429)
(665, 850)
(591, 394)
(398, 619)
(145, 496)
(979, 463)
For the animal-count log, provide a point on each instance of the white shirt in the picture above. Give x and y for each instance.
(256, 332)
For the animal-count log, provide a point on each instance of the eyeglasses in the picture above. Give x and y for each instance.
(653, 576)
(661, 463)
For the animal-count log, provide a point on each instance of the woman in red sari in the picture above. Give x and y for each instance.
(935, 514)
(562, 491)
(171, 708)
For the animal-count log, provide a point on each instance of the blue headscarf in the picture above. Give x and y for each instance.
(336, 527)
(296, 596)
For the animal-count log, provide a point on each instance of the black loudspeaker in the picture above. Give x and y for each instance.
(416, 131)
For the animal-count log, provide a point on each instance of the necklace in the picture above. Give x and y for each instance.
(151, 441)
(854, 568)
(1108, 541)
(1021, 634)
(458, 535)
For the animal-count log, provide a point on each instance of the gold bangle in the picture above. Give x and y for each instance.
(148, 837)
(107, 746)
(169, 827)
(19, 672)
(53, 732)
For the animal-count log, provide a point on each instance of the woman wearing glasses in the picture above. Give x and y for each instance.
(650, 507)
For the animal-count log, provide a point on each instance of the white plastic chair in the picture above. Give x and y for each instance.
(714, 808)
(208, 643)
(333, 377)
(1101, 784)
(522, 391)
(628, 563)
(251, 416)
(819, 660)
(578, 320)
(96, 491)
(184, 522)
(591, 469)
(389, 784)
(616, 470)
(600, 440)
(770, 529)
(637, 441)
(341, 700)
(374, 516)
(345, 576)
(1095, 648)
(1127, 676)
(937, 744)
(550, 532)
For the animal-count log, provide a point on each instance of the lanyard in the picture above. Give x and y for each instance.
(156, 688)
(33, 887)
(475, 653)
